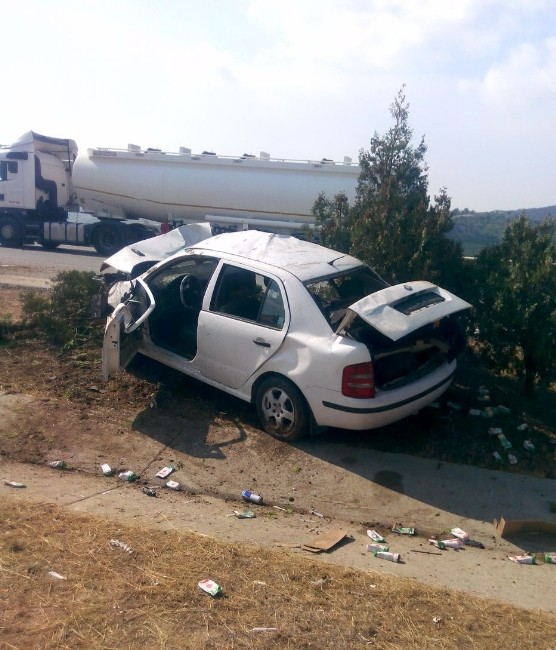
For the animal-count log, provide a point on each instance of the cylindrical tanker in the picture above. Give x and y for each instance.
(132, 184)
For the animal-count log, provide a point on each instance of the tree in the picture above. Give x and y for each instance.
(516, 304)
(393, 225)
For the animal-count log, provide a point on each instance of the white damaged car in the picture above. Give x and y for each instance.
(310, 336)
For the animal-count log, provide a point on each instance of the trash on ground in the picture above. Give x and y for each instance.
(324, 542)
(210, 587)
(512, 459)
(497, 457)
(14, 484)
(528, 445)
(125, 547)
(373, 547)
(173, 485)
(523, 427)
(57, 464)
(506, 444)
(128, 476)
(460, 534)
(503, 409)
(442, 544)
(488, 412)
(522, 559)
(476, 412)
(246, 514)
(149, 491)
(531, 535)
(437, 619)
(550, 558)
(384, 555)
(164, 472)
(376, 537)
(413, 550)
(317, 514)
(106, 469)
(494, 431)
(247, 495)
(58, 576)
(403, 530)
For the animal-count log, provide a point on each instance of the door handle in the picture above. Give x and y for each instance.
(261, 342)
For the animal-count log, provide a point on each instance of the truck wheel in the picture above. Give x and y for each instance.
(282, 409)
(108, 239)
(11, 233)
(49, 245)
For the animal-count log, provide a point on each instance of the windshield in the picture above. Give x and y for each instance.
(334, 294)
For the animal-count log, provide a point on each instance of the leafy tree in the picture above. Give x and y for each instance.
(393, 225)
(516, 304)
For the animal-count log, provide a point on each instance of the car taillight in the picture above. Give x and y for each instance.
(359, 381)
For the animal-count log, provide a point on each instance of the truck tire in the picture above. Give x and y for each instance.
(11, 232)
(108, 238)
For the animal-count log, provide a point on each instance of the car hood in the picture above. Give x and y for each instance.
(404, 308)
(157, 248)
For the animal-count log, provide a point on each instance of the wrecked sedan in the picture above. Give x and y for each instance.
(313, 338)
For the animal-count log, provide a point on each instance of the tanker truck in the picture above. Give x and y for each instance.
(137, 193)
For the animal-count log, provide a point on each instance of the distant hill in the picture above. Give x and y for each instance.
(475, 230)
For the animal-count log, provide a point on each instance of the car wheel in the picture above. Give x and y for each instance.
(282, 409)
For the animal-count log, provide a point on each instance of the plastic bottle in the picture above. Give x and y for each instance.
(385, 555)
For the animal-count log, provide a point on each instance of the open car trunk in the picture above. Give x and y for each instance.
(409, 330)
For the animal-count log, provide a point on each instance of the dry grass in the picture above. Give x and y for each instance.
(150, 598)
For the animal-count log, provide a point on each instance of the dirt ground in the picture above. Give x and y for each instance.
(54, 406)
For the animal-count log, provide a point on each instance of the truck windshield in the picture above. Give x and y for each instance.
(334, 294)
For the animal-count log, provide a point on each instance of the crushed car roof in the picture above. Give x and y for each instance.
(303, 259)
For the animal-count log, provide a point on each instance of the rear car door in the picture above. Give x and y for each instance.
(245, 324)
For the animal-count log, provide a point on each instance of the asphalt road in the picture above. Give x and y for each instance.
(34, 266)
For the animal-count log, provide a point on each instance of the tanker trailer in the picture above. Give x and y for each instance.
(120, 187)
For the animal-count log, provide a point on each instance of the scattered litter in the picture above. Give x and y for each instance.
(173, 485)
(211, 587)
(512, 459)
(264, 629)
(58, 576)
(403, 530)
(497, 457)
(523, 427)
(483, 398)
(488, 412)
(460, 534)
(522, 559)
(14, 484)
(280, 508)
(437, 619)
(128, 476)
(246, 514)
(106, 469)
(506, 444)
(324, 542)
(373, 547)
(443, 544)
(476, 412)
(319, 582)
(384, 555)
(125, 547)
(164, 472)
(483, 390)
(550, 558)
(247, 495)
(494, 431)
(503, 409)
(376, 537)
(149, 491)
(153, 403)
(317, 514)
(57, 464)
(529, 445)
(259, 582)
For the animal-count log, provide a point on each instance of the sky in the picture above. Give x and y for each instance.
(299, 79)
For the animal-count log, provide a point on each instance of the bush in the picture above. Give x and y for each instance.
(63, 318)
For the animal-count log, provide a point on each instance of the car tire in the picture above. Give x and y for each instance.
(11, 232)
(282, 409)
